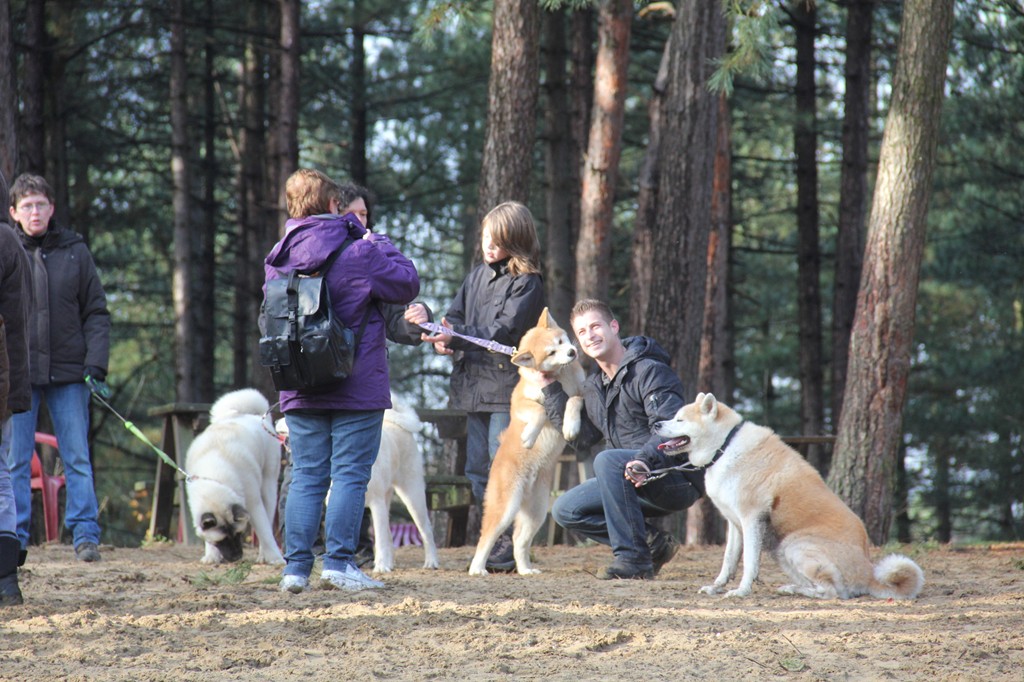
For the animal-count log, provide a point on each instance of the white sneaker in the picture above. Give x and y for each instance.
(294, 583)
(351, 579)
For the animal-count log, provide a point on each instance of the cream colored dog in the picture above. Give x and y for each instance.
(234, 465)
(397, 469)
(773, 499)
(519, 484)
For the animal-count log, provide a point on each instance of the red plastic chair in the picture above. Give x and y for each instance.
(49, 487)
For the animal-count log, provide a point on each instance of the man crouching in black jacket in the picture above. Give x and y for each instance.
(634, 389)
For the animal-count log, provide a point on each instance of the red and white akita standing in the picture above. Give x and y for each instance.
(519, 485)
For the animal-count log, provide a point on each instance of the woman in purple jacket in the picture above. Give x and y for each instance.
(335, 433)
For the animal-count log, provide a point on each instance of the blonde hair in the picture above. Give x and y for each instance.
(512, 229)
(309, 192)
(587, 305)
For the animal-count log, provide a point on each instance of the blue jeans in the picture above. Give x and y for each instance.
(68, 405)
(610, 510)
(332, 452)
(482, 432)
(8, 513)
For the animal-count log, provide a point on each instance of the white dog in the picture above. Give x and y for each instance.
(399, 468)
(773, 499)
(233, 466)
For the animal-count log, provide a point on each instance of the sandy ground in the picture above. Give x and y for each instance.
(157, 614)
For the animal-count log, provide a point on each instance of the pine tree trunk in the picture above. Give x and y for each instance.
(647, 201)
(511, 104)
(805, 143)
(559, 268)
(870, 430)
(357, 105)
(600, 171)
(853, 192)
(203, 308)
(181, 288)
(685, 182)
(33, 132)
(8, 120)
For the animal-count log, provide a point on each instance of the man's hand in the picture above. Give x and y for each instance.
(637, 472)
(416, 313)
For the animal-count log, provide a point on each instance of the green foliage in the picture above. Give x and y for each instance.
(232, 576)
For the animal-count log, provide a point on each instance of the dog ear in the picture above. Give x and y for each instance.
(708, 405)
(207, 521)
(240, 515)
(545, 320)
(524, 359)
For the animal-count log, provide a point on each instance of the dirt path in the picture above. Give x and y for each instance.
(153, 614)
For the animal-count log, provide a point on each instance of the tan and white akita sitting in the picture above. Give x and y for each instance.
(519, 485)
(773, 499)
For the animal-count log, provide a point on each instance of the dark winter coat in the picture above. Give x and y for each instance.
(368, 272)
(495, 305)
(69, 324)
(625, 408)
(15, 299)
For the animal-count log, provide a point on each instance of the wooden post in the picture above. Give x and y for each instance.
(181, 423)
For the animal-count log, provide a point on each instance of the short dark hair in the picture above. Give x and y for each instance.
(26, 184)
(587, 305)
(350, 191)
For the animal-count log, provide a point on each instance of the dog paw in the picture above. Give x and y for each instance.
(710, 589)
(738, 592)
(477, 571)
(382, 568)
(431, 564)
(272, 561)
(529, 440)
(528, 571)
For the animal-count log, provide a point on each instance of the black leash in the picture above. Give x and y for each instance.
(655, 474)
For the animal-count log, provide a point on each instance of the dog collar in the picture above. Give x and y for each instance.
(721, 450)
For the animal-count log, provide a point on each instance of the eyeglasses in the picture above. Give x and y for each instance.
(27, 209)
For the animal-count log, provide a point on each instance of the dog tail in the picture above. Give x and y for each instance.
(896, 577)
(242, 401)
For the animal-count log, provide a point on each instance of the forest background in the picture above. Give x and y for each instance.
(729, 176)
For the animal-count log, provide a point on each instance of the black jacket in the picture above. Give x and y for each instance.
(624, 409)
(15, 301)
(69, 324)
(491, 304)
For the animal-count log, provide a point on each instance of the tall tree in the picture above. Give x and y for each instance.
(600, 170)
(511, 105)
(181, 287)
(33, 87)
(805, 147)
(287, 131)
(685, 182)
(867, 444)
(559, 268)
(853, 191)
(9, 95)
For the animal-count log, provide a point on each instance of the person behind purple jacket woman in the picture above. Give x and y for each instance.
(335, 433)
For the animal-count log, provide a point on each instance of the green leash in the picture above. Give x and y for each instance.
(134, 430)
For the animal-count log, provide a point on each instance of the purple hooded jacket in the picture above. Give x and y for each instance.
(368, 270)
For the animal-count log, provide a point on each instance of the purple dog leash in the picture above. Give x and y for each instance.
(492, 346)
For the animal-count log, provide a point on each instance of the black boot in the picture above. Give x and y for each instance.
(364, 547)
(10, 556)
(502, 557)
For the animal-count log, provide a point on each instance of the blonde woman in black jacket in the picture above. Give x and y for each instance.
(499, 300)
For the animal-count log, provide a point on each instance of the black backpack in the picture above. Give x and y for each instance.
(302, 342)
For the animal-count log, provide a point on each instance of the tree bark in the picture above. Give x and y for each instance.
(704, 525)
(853, 191)
(357, 105)
(511, 105)
(203, 310)
(559, 268)
(181, 287)
(600, 170)
(8, 95)
(288, 123)
(647, 201)
(686, 179)
(869, 436)
(805, 144)
(33, 132)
